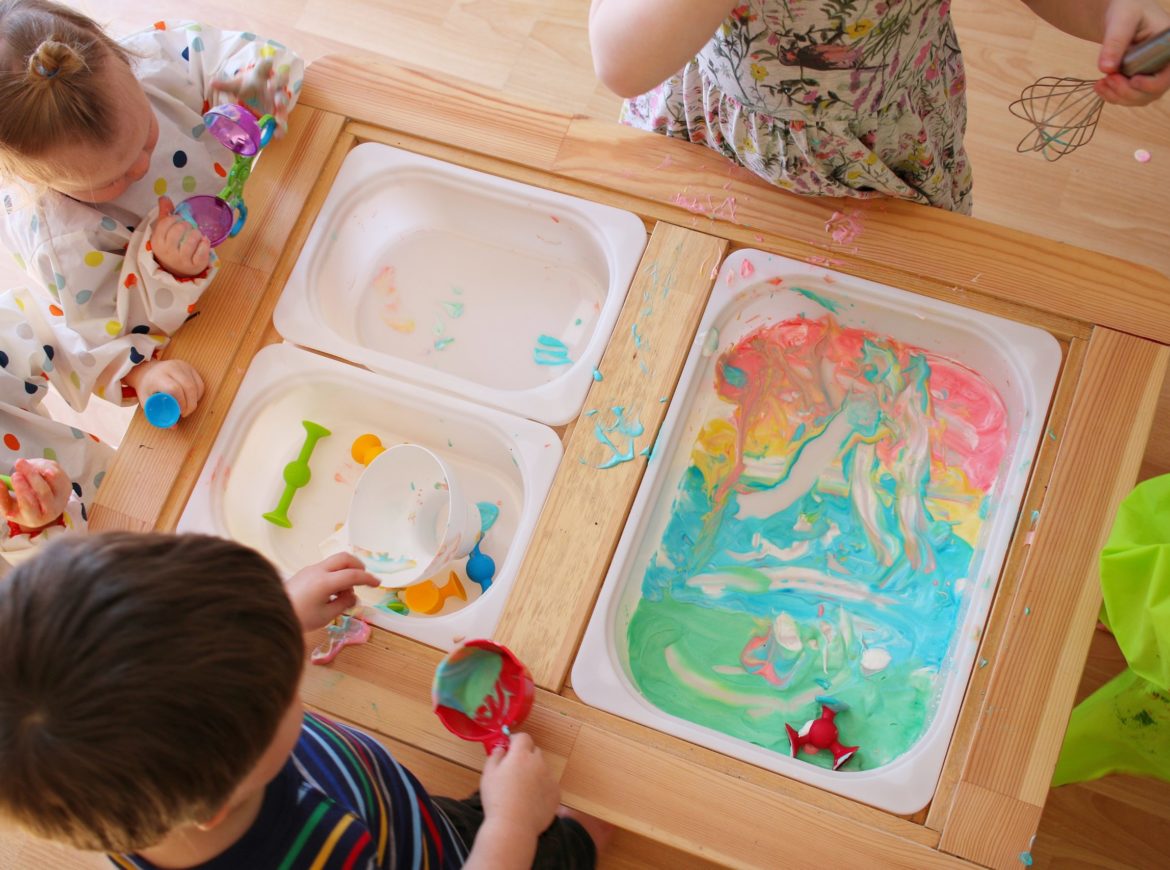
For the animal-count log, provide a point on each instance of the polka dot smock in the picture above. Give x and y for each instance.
(97, 303)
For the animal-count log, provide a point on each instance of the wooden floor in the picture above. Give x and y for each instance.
(1098, 198)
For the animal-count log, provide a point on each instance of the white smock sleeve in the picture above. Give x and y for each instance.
(26, 432)
(96, 300)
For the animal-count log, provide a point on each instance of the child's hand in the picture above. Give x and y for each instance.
(518, 789)
(177, 246)
(320, 593)
(262, 90)
(1128, 22)
(173, 376)
(40, 490)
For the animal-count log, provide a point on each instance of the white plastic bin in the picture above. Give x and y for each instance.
(499, 458)
(730, 624)
(496, 291)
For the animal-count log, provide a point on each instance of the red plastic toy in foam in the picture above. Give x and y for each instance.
(500, 710)
(820, 734)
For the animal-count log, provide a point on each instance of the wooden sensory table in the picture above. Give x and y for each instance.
(1111, 318)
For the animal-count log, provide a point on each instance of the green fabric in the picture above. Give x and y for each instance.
(1135, 580)
(1124, 727)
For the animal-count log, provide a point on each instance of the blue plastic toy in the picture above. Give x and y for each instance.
(161, 410)
(480, 568)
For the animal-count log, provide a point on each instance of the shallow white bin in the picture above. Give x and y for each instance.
(497, 457)
(497, 291)
(756, 290)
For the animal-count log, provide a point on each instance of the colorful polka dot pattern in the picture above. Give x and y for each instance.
(93, 284)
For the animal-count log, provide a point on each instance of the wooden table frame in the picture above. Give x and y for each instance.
(1111, 318)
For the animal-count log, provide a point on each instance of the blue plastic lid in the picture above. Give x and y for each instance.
(161, 410)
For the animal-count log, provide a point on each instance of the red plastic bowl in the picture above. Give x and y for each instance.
(515, 692)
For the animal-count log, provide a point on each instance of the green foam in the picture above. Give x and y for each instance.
(467, 681)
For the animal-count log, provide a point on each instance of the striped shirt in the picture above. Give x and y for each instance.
(340, 803)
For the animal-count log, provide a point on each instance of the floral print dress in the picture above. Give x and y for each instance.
(828, 97)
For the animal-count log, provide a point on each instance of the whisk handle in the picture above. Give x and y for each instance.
(1147, 57)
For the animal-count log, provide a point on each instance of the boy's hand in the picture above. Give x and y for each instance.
(1128, 22)
(518, 789)
(173, 376)
(320, 593)
(40, 491)
(177, 246)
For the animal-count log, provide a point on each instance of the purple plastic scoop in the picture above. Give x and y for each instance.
(211, 215)
(236, 128)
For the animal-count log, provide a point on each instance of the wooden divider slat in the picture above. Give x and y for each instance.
(583, 518)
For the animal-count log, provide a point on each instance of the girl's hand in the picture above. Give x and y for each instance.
(322, 592)
(173, 376)
(1128, 22)
(177, 246)
(40, 491)
(262, 90)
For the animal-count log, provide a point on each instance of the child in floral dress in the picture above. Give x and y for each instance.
(831, 97)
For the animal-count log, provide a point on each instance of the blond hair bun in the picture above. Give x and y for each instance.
(54, 61)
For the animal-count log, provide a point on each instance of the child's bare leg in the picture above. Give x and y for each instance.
(601, 832)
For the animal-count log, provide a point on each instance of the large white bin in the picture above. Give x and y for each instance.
(760, 585)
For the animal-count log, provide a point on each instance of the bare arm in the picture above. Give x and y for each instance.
(638, 44)
(519, 795)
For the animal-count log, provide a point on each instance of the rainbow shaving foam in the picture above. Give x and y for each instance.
(820, 540)
(468, 682)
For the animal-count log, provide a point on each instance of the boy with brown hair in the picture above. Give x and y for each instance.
(149, 708)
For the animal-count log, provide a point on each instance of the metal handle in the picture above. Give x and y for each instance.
(1147, 57)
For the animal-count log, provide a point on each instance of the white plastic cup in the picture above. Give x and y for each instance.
(408, 518)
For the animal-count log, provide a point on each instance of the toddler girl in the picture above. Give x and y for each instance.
(831, 97)
(98, 140)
